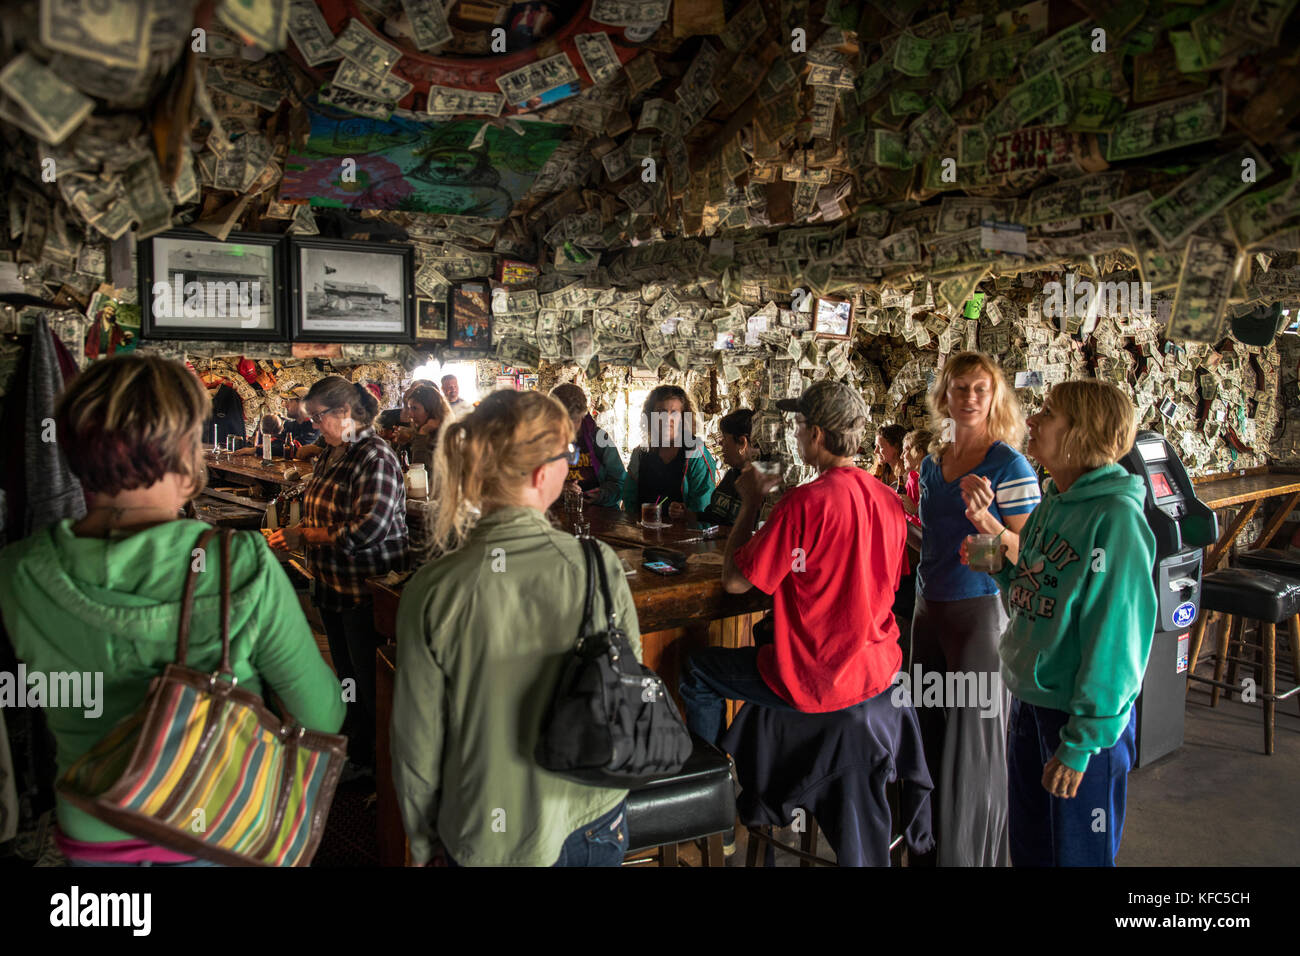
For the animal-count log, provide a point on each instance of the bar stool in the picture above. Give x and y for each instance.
(1242, 595)
(695, 805)
(831, 771)
(762, 840)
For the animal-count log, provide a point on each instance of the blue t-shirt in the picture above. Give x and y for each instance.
(942, 576)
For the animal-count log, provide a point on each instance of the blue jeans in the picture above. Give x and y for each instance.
(1049, 831)
(603, 842)
(72, 862)
(714, 675)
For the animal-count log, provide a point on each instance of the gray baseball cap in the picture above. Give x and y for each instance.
(830, 405)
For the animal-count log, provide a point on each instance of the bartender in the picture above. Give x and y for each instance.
(299, 424)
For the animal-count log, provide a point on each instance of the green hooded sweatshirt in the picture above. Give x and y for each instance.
(111, 606)
(1083, 608)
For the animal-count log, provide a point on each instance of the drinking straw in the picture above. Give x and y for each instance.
(660, 501)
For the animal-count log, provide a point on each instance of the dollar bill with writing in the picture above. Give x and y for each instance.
(1204, 284)
(1174, 216)
(1263, 213)
(445, 101)
(364, 47)
(890, 149)
(429, 26)
(1159, 266)
(598, 56)
(310, 33)
(522, 85)
(745, 27)
(354, 102)
(1085, 196)
(1168, 125)
(929, 131)
(1032, 98)
(110, 31)
(629, 12)
(51, 105)
(912, 55)
(1260, 20)
(385, 88)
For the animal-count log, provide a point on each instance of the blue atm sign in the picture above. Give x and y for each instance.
(1184, 614)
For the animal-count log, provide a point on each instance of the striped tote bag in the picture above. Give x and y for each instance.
(205, 767)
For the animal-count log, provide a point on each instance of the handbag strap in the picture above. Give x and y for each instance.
(585, 629)
(187, 602)
(595, 557)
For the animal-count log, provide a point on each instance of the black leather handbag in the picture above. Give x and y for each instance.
(610, 722)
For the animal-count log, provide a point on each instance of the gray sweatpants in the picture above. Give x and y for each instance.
(965, 747)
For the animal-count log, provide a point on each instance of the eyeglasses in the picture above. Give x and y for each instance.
(316, 419)
(571, 452)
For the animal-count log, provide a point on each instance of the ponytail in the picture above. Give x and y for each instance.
(483, 461)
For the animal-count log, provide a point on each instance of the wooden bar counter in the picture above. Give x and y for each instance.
(676, 615)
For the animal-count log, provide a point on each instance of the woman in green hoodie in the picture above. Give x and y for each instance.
(1083, 610)
(99, 598)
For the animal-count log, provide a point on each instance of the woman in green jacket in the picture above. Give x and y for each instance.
(482, 636)
(100, 598)
(672, 466)
(1083, 610)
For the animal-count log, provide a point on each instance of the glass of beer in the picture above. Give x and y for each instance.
(984, 553)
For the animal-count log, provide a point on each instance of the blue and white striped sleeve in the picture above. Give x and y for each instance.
(1017, 492)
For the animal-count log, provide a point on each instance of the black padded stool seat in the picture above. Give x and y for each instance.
(1274, 560)
(1237, 596)
(1253, 594)
(699, 803)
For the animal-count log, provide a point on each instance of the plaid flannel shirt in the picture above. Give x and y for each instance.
(357, 493)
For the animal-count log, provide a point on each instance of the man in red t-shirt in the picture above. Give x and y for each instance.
(832, 554)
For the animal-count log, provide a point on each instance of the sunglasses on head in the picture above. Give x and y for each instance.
(571, 453)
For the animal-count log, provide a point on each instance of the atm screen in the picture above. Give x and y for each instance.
(1160, 484)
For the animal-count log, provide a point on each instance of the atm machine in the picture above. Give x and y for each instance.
(1182, 526)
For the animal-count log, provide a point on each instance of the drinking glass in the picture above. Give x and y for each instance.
(651, 515)
(984, 553)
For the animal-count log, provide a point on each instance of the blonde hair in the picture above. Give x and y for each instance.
(1102, 422)
(128, 421)
(918, 438)
(484, 460)
(1006, 421)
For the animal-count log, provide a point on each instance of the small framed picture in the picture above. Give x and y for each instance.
(833, 318)
(348, 291)
(471, 317)
(430, 320)
(193, 286)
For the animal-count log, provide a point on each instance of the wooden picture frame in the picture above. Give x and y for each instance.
(430, 319)
(832, 317)
(469, 324)
(195, 286)
(352, 291)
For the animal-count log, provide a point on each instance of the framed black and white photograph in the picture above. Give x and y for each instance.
(832, 318)
(430, 320)
(194, 286)
(352, 291)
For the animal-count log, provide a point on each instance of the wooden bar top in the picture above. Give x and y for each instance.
(1225, 492)
(250, 466)
(661, 602)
